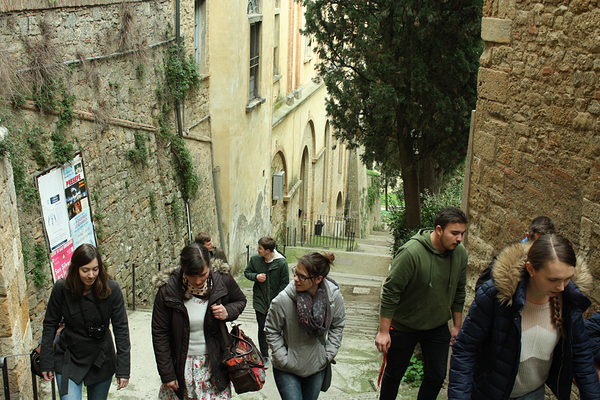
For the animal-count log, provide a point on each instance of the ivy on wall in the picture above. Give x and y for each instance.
(180, 77)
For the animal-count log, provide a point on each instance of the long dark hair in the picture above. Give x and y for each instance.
(551, 247)
(194, 259)
(83, 255)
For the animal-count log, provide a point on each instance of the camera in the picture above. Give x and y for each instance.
(96, 331)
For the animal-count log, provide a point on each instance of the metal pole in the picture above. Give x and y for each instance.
(5, 377)
(34, 386)
(247, 254)
(133, 285)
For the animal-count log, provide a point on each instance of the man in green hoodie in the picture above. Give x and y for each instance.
(270, 273)
(423, 291)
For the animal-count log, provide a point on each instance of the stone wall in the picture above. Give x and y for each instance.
(536, 147)
(139, 214)
(15, 328)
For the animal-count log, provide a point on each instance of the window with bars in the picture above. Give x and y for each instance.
(200, 34)
(254, 59)
(276, 46)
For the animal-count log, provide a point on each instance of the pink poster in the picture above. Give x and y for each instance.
(61, 259)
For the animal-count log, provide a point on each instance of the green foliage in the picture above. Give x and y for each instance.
(140, 72)
(45, 95)
(176, 214)
(4, 148)
(139, 154)
(40, 263)
(35, 259)
(181, 74)
(34, 139)
(450, 195)
(401, 79)
(374, 191)
(65, 110)
(152, 201)
(184, 166)
(415, 372)
(62, 150)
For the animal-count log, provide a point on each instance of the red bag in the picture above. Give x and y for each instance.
(245, 365)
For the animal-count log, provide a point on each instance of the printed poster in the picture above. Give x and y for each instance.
(54, 207)
(66, 213)
(78, 205)
(60, 259)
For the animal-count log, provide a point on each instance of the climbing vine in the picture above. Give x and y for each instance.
(139, 154)
(181, 76)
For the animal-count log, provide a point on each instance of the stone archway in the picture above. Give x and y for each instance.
(339, 205)
(304, 186)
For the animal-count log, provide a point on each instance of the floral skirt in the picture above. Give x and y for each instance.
(197, 382)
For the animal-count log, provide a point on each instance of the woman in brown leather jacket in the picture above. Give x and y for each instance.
(188, 326)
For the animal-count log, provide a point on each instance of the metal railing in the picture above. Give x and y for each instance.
(6, 381)
(326, 231)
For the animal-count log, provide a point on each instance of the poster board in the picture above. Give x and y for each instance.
(66, 212)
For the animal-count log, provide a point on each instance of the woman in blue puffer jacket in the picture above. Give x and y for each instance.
(525, 328)
(592, 326)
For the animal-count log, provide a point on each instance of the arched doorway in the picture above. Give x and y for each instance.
(303, 202)
(278, 206)
(339, 205)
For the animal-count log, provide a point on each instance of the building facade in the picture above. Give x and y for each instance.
(268, 121)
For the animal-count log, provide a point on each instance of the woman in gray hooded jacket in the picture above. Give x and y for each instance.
(304, 328)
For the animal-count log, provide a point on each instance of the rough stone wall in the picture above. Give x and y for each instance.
(139, 215)
(536, 144)
(15, 328)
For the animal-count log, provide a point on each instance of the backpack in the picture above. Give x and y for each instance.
(245, 365)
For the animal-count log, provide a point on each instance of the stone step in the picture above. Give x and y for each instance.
(377, 241)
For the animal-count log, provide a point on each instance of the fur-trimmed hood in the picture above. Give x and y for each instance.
(162, 277)
(509, 270)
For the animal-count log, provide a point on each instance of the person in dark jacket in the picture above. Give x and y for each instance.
(188, 326)
(539, 226)
(86, 301)
(592, 327)
(525, 328)
(204, 239)
(270, 274)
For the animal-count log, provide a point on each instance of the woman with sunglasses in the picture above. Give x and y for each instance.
(304, 328)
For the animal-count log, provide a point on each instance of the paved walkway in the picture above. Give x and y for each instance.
(358, 362)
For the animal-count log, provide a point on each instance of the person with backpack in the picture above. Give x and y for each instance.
(525, 328)
(304, 328)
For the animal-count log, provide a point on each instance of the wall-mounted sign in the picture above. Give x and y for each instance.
(66, 212)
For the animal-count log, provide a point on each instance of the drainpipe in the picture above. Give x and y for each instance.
(188, 217)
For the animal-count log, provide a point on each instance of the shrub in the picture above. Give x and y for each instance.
(431, 204)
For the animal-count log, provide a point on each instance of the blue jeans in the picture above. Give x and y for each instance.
(537, 394)
(294, 387)
(97, 391)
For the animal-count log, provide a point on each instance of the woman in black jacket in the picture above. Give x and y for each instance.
(86, 301)
(525, 328)
(188, 326)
